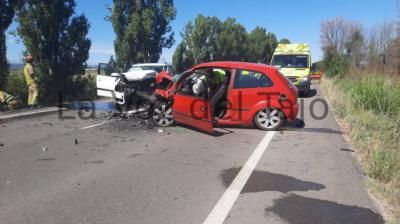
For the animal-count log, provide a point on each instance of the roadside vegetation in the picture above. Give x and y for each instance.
(362, 82)
(57, 38)
(209, 39)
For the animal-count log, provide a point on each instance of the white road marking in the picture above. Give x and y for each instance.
(29, 113)
(95, 125)
(226, 202)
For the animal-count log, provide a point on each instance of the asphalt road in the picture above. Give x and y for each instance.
(122, 172)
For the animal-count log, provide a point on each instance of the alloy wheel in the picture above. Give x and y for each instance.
(162, 115)
(269, 118)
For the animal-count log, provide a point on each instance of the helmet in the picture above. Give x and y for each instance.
(29, 58)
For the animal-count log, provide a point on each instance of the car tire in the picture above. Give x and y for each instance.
(162, 115)
(269, 119)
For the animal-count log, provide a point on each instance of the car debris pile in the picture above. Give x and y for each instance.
(134, 118)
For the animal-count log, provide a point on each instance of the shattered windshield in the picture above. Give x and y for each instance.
(291, 61)
(177, 76)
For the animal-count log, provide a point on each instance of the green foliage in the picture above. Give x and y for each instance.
(142, 29)
(261, 45)
(16, 86)
(336, 65)
(370, 107)
(57, 41)
(231, 41)
(385, 165)
(182, 59)
(200, 38)
(284, 41)
(208, 39)
(372, 93)
(7, 12)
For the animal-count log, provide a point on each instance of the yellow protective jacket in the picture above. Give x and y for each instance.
(28, 72)
(6, 98)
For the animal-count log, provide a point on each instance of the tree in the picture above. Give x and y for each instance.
(261, 45)
(231, 41)
(142, 29)
(57, 41)
(208, 39)
(7, 12)
(284, 41)
(355, 44)
(182, 60)
(200, 38)
(334, 35)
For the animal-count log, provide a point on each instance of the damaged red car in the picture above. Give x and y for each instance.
(225, 93)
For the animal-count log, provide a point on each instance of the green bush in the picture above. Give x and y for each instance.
(16, 86)
(336, 65)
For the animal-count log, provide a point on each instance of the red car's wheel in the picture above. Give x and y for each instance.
(269, 119)
(162, 115)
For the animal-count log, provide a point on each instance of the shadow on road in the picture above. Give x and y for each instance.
(299, 125)
(216, 133)
(296, 209)
(261, 181)
(322, 130)
(312, 93)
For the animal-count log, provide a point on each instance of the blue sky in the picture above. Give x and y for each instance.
(297, 20)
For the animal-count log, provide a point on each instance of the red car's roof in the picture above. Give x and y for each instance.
(235, 64)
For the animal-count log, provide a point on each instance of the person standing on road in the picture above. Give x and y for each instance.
(29, 74)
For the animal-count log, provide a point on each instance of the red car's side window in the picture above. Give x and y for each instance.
(251, 79)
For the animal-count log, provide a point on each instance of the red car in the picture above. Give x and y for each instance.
(225, 93)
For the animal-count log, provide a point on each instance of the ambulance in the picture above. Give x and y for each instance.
(294, 61)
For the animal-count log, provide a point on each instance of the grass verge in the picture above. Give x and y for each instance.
(369, 109)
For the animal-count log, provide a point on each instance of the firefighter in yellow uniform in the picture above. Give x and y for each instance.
(8, 100)
(29, 74)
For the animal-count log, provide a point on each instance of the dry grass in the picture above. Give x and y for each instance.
(369, 111)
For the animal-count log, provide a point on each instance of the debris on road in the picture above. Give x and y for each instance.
(136, 120)
(160, 130)
(76, 141)
(44, 148)
(1, 144)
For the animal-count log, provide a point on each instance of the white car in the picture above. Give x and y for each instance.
(138, 77)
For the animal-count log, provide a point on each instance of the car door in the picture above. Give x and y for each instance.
(192, 110)
(249, 88)
(106, 80)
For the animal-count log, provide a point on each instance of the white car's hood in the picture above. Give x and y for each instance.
(139, 75)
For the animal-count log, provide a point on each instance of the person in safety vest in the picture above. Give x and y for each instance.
(216, 77)
(29, 74)
(8, 100)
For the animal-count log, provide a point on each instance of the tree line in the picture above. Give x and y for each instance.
(57, 38)
(347, 44)
(210, 39)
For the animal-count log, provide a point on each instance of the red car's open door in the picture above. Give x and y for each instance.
(193, 111)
